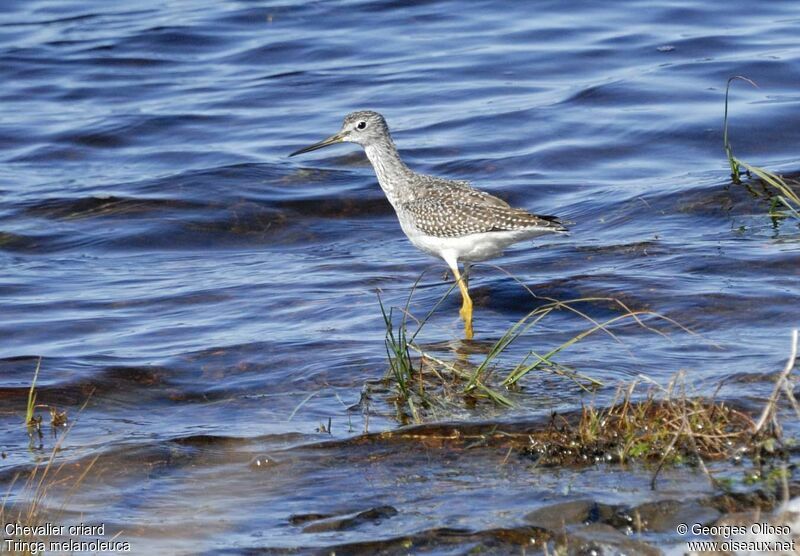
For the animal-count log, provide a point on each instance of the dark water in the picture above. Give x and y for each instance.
(216, 301)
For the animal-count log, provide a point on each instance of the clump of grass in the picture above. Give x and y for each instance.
(33, 421)
(665, 425)
(423, 381)
(401, 365)
(784, 200)
(669, 427)
(414, 377)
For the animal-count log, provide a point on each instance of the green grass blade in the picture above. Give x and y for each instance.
(29, 413)
(728, 149)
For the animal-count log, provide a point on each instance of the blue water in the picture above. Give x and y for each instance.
(216, 302)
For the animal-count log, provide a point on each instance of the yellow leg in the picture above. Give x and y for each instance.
(466, 305)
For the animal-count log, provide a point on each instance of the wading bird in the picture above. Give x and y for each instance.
(444, 218)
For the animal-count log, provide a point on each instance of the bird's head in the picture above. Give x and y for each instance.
(365, 128)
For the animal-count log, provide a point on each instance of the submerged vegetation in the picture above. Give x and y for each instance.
(779, 191)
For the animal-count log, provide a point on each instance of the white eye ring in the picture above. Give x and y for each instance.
(361, 125)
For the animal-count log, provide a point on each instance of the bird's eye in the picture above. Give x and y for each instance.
(361, 125)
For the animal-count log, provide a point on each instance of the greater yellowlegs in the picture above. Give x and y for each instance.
(444, 218)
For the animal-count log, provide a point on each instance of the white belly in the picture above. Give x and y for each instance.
(470, 248)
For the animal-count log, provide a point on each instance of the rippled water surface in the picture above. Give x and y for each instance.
(216, 302)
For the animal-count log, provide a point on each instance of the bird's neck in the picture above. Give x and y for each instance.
(389, 168)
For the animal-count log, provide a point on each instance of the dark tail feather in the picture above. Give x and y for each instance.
(553, 222)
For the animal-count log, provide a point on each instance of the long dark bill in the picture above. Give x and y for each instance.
(332, 140)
